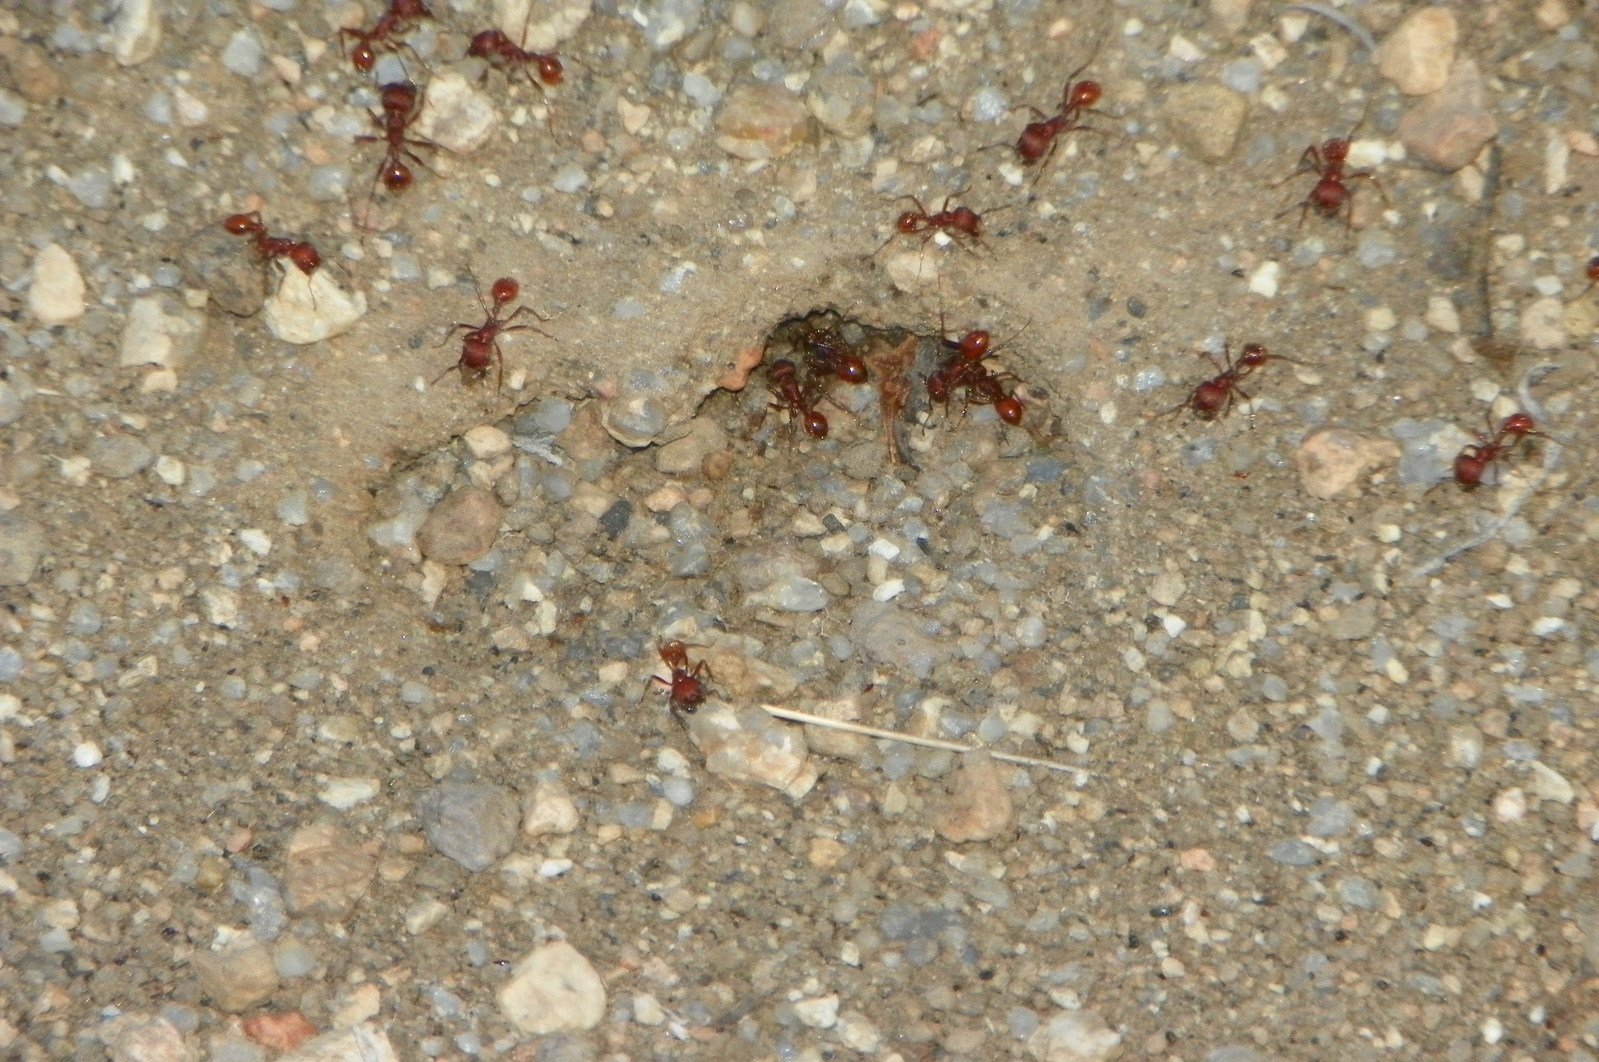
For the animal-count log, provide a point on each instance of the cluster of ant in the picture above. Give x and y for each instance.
(828, 358)
(400, 103)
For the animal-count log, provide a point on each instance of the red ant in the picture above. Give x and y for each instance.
(480, 347)
(402, 16)
(961, 223)
(1331, 194)
(964, 371)
(1592, 272)
(1215, 397)
(401, 102)
(1473, 461)
(302, 254)
(827, 353)
(799, 401)
(502, 53)
(1040, 138)
(686, 690)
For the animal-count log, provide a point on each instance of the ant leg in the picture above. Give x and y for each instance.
(499, 361)
(456, 327)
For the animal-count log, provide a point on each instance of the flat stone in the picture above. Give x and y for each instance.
(979, 807)
(1451, 126)
(237, 977)
(1074, 1036)
(1334, 460)
(475, 825)
(310, 308)
(22, 544)
(1418, 54)
(1205, 119)
(145, 1038)
(753, 747)
(57, 293)
(326, 871)
(554, 989)
(161, 330)
(461, 528)
(758, 121)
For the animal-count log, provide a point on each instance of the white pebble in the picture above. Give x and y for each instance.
(554, 868)
(487, 442)
(455, 115)
(136, 34)
(1511, 805)
(888, 590)
(87, 754)
(1544, 626)
(171, 471)
(818, 1013)
(256, 541)
(56, 295)
(342, 794)
(647, 1009)
(1263, 281)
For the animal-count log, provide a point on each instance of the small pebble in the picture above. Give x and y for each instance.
(1334, 460)
(1205, 119)
(1449, 127)
(553, 989)
(979, 807)
(161, 330)
(57, 292)
(461, 528)
(475, 825)
(1418, 55)
(136, 31)
(761, 121)
(309, 309)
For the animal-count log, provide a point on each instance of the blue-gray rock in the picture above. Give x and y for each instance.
(475, 825)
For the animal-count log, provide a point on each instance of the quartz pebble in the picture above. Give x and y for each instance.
(308, 309)
(136, 31)
(550, 23)
(553, 989)
(358, 1043)
(455, 115)
(1074, 1036)
(237, 977)
(548, 810)
(1418, 54)
(57, 293)
(753, 747)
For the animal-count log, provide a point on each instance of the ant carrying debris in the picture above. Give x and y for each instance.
(401, 17)
(1473, 461)
(685, 689)
(302, 254)
(1215, 397)
(480, 347)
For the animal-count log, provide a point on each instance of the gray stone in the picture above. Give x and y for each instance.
(21, 548)
(461, 528)
(475, 825)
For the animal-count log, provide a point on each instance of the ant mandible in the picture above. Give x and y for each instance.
(1040, 138)
(401, 17)
(798, 401)
(1331, 195)
(1473, 460)
(1215, 397)
(684, 688)
(302, 254)
(480, 347)
(401, 102)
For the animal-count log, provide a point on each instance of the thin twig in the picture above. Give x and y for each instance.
(910, 739)
(1356, 30)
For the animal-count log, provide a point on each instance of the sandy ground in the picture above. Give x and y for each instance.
(272, 765)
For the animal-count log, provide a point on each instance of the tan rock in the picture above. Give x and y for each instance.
(1418, 54)
(979, 807)
(1333, 460)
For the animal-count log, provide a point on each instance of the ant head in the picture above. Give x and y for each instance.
(485, 44)
(244, 224)
(907, 222)
(1083, 94)
(1469, 469)
(550, 69)
(398, 96)
(1010, 410)
(1518, 424)
(397, 176)
(1335, 151)
(362, 57)
(938, 387)
(674, 654)
(504, 290)
(1254, 355)
(974, 345)
(781, 371)
(1593, 268)
(305, 257)
(815, 424)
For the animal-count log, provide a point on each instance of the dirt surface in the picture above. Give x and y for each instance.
(325, 699)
